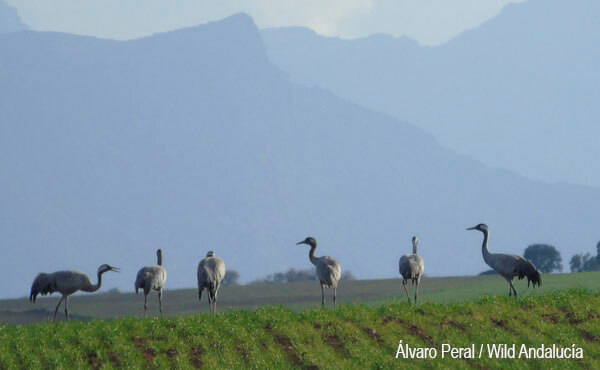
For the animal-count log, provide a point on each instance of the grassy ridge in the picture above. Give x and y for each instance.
(295, 296)
(351, 336)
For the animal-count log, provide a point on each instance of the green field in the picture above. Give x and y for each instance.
(295, 296)
(351, 336)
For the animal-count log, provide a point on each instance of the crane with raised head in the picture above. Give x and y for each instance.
(329, 270)
(152, 277)
(412, 267)
(66, 283)
(508, 266)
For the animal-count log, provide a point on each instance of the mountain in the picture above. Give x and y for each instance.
(518, 92)
(9, 19)
(192, 141)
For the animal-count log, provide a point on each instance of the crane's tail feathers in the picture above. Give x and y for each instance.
(332, 277)
(528, 269)
(41, 285)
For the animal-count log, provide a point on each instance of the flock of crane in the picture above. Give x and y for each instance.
(211, 271)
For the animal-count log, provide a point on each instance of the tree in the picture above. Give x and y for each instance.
(231, 278)
(598, 253)
(545, 257)
(584, 262)
(576, 263)
(590, 263)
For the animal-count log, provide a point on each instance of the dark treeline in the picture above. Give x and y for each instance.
(586, 262)
(293, 275)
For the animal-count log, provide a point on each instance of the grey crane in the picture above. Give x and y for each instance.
(211, 272)
(152, 277)
(508, 266)
(412, 267)
(329, 270)
(66, 283)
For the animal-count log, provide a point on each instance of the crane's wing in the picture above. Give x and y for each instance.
(329, 271)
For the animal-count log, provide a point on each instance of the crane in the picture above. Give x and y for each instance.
(211, 271)
(508, 266)
(412, 267)
(329, 270)
(66, 283)
(152, 277)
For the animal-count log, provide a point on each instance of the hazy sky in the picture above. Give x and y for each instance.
(430, 22)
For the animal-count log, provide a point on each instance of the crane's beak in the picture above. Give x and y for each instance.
(472, 228)
(302, 242)
(115, 269)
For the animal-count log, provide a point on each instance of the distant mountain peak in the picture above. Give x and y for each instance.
(9, 19)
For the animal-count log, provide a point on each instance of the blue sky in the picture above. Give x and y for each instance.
(430, 22)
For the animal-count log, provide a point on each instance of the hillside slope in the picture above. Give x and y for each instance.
(349, 337)
(192, 141)
(294, 296)
(518, 92)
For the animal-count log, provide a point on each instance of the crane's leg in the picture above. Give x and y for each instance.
(406, 290)
(334, 296)
(513, 288)
(57, 306)
(160, 302)
(322, 296)
(215, 298)
(145, 304)
(67, 307)
(417, 290)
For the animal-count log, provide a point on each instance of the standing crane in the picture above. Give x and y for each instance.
(329, 270)
(211, 272)
(152, 277)
(66, 283)
(508, 266)
(412, 267)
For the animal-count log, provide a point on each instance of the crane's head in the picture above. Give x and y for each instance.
(103, 268)
(210, 254)
(415, 240)
(310, 241)
(481, 227)
(159, 252)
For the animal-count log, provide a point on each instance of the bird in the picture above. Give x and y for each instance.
(329, 270)
(66, 283)
(412, 267)
(211, 272)
(152, 277)
(508, 266)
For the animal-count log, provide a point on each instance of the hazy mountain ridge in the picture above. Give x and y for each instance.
(192, 141)
(9, 19)
(517, 92)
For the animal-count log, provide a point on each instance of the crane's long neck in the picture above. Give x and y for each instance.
(95, 287)
(414, 247)
(484, 246)
(159, 259)
(311, 255)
